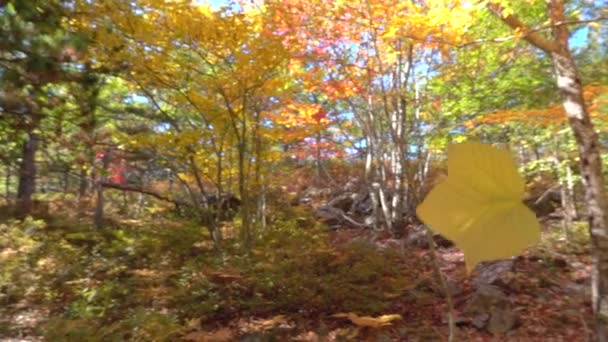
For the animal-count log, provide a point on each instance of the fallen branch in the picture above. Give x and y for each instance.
(131, 188)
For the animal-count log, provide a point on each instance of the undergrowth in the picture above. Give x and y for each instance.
(145, 280)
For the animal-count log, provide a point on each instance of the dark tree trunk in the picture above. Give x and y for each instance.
(84, 180)
(7, 182)
(98, 218)
(66, 180)
(27, 176)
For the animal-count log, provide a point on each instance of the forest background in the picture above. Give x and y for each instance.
(183, 170)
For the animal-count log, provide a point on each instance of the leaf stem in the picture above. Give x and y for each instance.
(444, 284)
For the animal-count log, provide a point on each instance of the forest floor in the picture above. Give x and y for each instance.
(159, 279)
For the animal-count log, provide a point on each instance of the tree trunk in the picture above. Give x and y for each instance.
(571, 204)
(318, 156)
(369, 178)
(7, 182)
(27, 176)
(591, 169)
(98, 220)
(66, 180)
(571, 89)
(84, 180)
(244, 192)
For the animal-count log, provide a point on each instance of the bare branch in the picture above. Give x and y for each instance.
(130, 188)
(532, 30)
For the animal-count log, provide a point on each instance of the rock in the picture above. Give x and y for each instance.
(480, 321)
(578, 292)
(335, 218)
(362, 205)
(543, 201)
(485, 297)
(491, 309)
(494, 273)
(311, 194)
(455, 288)
(418, 238)
(442, 242)
(330, 216)
(502, 321)
(343, 202)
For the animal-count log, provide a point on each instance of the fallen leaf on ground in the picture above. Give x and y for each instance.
(270, 323)
(368, 321)
(221, 335)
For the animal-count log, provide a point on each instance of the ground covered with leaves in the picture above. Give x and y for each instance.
(159, 279)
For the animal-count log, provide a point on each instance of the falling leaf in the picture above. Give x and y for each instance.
(479, 205)
(368, 321)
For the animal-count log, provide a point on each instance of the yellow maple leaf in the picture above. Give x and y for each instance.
(479, 205)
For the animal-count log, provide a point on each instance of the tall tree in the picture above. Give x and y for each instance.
(571, 89)
(34, 46)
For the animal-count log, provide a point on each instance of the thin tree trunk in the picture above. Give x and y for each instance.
(86, 180)
(217, 232)
(98, 219)
(243, 191)
(7, 182)
(66, 180)
(370, 181)
(563, 188)
(27, 175)
(263, 206)
(318, 155)
(570, 192)
(83, 185)
(566, 185)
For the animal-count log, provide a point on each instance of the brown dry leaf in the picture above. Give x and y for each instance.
(368, 321)
(221, 335)
(222, 277)
(270, 323)
(144, 273)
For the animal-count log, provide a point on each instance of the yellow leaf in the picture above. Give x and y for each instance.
(594, 25)
(368, 321)
(479, 205)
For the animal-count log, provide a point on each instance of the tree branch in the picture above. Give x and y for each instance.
(531, 36)
(143, 191)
